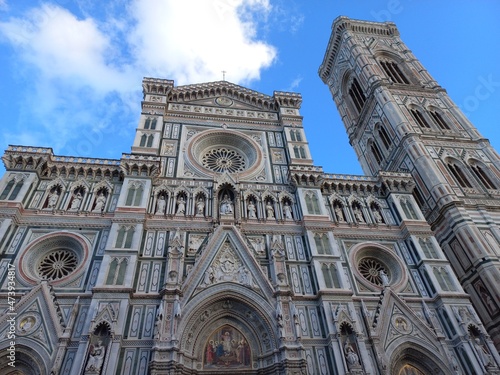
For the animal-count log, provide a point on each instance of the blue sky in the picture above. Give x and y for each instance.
(71, 70)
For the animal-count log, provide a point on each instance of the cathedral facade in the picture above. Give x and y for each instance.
(217, 246)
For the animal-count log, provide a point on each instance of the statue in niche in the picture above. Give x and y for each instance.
(358, 215)
(287, 211)
(251, 210)
(181, 206)
(482, 352)
(200, 207)
(75, 203)
(339, 213)
(351, 356)
(269, 210)
(226, 205)
(99, 202)
(160, 207)
(377, 215)
(96, 357)
(53, 198)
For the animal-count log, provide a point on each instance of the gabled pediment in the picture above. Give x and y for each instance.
(37, 317)
(227, 258)
(222, 94)
(397, 322)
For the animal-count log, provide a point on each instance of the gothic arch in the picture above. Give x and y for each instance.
(233, 305)
(407, 352)
(29, 358)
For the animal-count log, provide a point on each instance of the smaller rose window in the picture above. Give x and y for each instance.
(57, 264)
(370, 269)
(223, 160)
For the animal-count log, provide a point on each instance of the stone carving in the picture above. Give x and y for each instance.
(358, 215)
(227, 267)
(200, 207)
(96, 358)
(339, 214)
(482, 352)
(269, 210)
(384, 278)
(53, 198)
(251, 210)
(160, 207)
(287, 211)
(226, 205)
(181, 206)
(351, 356)
(99, 203)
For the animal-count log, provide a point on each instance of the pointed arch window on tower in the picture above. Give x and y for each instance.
(439, 120)
(330, 275)
(384, 137)
(393, 71)
(428, 248)
(459, 175)
(376, 153)
(419, 118)
(357, 96)
(12, 189)
(144, 139)
(124, 237)
(116, 273)
(322, 243)
(150, 123)
(134, 195)
(150, 140)
(483, 177)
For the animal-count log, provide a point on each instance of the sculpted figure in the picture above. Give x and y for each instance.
(53, 198)
(200, 207)
(96, 357)
(181, 206)
(269, 210)
(251, 210)
(287, 211)
(160, 208)
(99, 203)
(226, 206)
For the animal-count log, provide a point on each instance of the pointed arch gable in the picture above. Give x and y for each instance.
(241, 249)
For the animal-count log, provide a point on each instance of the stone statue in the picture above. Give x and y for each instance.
(75, 203)
(200, 207)
(99, 203)
(287, 211)
(269, 210)
(384, 277)
(377, 215)
(181, 206)
(160, 208)
(351, 356)
(226, 206)
(358, 215)
(339, 214)
(96, 358)
(251, 210)
(53, 198)
(483, 354)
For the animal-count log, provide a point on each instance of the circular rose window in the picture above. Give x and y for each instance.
(371, 269)
(223, 151)
(55, 257)
(223, 160)
(57, 264)
(376, 266)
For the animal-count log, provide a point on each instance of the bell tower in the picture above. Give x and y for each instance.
(399, 119)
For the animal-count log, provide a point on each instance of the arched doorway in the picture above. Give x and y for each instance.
(412, 359)
(27, 362)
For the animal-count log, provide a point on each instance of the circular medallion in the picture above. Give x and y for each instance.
(224, 101)
(57, 264)
(27, 323)
(370, 269)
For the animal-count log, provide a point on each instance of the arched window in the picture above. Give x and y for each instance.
(117, 271)
(384, 137)
(443, 278)
(298, 136)
(134, 195)
(419, 118)
(296, 152)
(312, 204)
(330, 275)
(150, 140)
(439, 120)
(376, 152)
(357, 96)
(428, 248)
(153, 124)
(483, 177)
(302, 152)
(144, 138)
(459, 175)
(392, 71)
(147, 123)
(124, 237)
(12, 189)
(322, 243)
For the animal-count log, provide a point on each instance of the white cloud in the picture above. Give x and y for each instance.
(194, 40)
(85, 73)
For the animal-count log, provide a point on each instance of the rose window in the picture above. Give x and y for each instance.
(370, 269)
(223, 160)
(57, 264)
